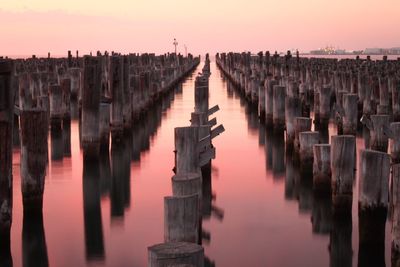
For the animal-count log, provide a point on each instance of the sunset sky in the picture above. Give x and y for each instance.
(39, 26)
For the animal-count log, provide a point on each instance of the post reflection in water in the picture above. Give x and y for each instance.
(57, 145)
(278, 154)
(66, 136)
(120, 158)
(105, 174)
(94, 242)
(256, 196)
(340, 243)
(5, 250)
(34, 247)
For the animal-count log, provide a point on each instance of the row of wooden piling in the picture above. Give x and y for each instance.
(290, 94)
(37, 94)
(191, 185)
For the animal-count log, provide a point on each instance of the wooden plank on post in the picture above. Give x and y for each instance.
(213, 110)
(217, 131)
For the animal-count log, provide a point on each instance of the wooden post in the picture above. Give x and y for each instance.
(174, 253)
(261, 101)
(324, 105)
(396, 215)
(185, 184)
(90, 108)
(301, 124)
(7, 92)
(307, 140)
(56, 107)
(279, 107)
(396, 98)
(343, 149)
(322, 168)
(269, 103)
(292, 110)
(34, 125)
(350, 118)
(117, 92)
(379, 141)
(75, 76)
(66, 100)
(395, 142)
(373, 198)
(186, 149)
(104, 127)
(181, 218)
(201, 95)
(127, 95)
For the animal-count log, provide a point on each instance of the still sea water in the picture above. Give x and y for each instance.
(264, 213)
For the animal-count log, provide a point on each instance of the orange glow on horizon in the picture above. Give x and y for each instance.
(37, 27)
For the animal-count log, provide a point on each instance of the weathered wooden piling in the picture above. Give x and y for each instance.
(105, 109)
(117, 94)
(56, 107)
(186, 149)
(90, 109)
(301, 124)
(269, 102)
(184, 184)
(261, 101)
(307, 140)
(175, 253)
(279, 107)
(343, 149)
(322, 168)
(66, 100)
(293, 109)
(374, 174)
(395, 200)
(395, 142)
(181, 218)
(7, 92)
(127, 95)
(379, 140)
(324, 105)
(395, 82)
(75, 76)
(350, 118)
(34, 125)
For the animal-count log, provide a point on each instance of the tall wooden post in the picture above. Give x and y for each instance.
(6, 137)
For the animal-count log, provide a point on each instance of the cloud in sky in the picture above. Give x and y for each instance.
(38, 26)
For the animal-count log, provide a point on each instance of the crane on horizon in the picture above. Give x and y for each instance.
(175, 43)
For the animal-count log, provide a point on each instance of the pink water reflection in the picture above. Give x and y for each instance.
(261, 225)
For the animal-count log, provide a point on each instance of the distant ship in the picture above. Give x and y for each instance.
(330, 50)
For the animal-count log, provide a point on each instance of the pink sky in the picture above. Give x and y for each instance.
(40, 26)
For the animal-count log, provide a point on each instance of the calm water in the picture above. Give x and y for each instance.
(264, 213)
